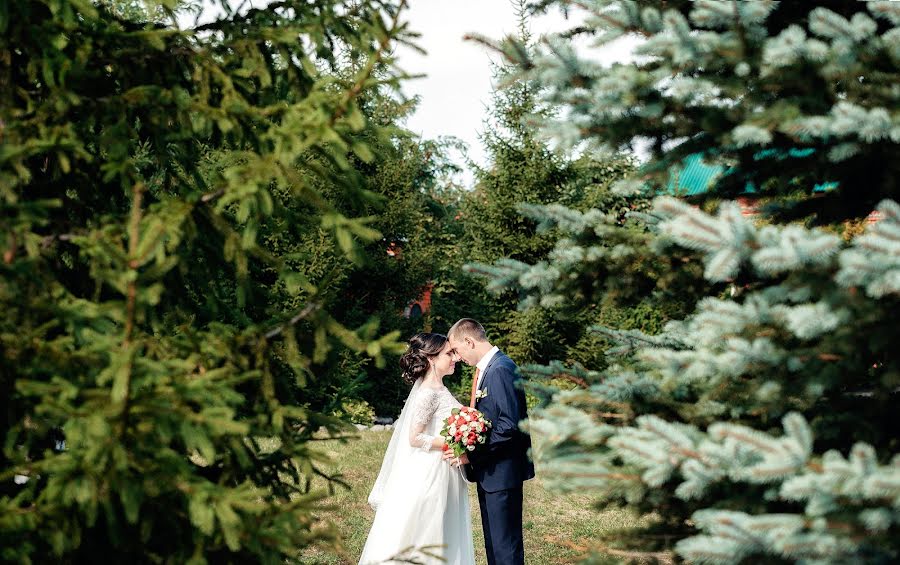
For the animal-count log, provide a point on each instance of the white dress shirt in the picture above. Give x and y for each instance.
(482, 365)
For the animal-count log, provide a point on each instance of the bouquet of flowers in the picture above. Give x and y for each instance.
(464, 430)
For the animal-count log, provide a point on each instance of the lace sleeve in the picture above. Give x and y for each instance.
(425, 407)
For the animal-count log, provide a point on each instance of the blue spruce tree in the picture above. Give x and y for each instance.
(762, 426)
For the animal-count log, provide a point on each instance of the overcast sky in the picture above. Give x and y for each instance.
(457, 87)
(458, 83)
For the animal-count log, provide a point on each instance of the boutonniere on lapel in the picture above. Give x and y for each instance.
(479, 394)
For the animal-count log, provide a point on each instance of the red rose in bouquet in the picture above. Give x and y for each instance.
(464, 429)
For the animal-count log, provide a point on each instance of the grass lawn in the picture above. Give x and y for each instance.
(555, 525)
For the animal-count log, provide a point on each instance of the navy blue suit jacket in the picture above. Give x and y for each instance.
(502, 462)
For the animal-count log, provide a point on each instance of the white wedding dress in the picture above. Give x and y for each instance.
(421, 502)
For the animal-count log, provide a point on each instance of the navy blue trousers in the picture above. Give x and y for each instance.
(501, 519)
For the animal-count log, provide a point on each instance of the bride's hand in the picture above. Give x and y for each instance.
(456, 461)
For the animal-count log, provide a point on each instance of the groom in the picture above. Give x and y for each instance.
(501, 465)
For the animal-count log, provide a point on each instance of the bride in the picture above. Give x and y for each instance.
(421, 503)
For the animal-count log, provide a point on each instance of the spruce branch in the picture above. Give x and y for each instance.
(623, 26)
(574, 373)
(124, 381)
(373, 61)
(873, 260)
(628, 341)
(349, 96)
(660, 557)
(601, 476)
(304, 313)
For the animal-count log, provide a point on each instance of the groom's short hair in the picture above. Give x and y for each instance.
(467, 327)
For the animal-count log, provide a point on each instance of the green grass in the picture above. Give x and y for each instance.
(556, 526)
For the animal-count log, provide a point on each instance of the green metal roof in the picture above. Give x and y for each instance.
(694, 177)
(697, 177)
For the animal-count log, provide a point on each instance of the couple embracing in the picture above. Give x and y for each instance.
(420, 496)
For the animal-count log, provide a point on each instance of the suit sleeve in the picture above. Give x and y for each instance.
(503, 407)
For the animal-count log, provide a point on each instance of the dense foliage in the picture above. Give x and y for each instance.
(164, 197)
(208, 238)
(523, 171)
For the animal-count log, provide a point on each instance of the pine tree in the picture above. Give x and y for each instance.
(407, 259)
(157, 337)
(761, 427)
(522, 172)
(521, 168)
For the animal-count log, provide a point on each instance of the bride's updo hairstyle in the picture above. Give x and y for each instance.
(421, 347)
